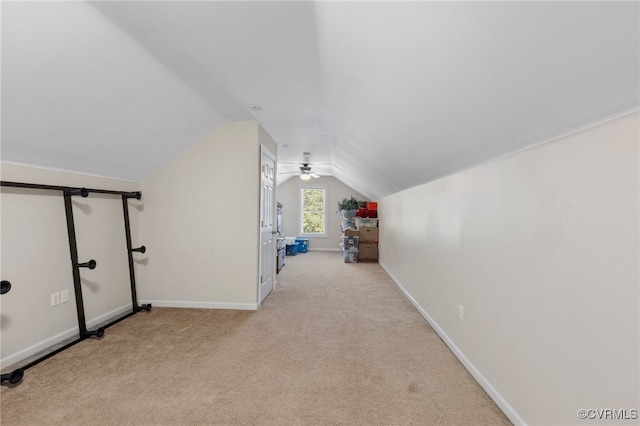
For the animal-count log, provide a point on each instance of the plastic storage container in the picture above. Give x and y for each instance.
(348, 242)
(292, 249)
(303, 245)
(362, 222)
(350, 255)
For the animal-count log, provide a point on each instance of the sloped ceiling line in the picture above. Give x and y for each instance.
(391, 94)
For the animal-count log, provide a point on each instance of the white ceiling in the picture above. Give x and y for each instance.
(387, 95)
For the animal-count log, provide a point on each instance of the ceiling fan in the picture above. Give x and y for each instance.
(305, 169)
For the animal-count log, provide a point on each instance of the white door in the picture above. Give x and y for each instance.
(267, 224)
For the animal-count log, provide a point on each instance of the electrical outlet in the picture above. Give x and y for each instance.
(55, 298)
(64, 296)
(461, 312)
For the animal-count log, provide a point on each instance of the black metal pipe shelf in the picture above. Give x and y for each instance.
(68, 192)
(128, 194)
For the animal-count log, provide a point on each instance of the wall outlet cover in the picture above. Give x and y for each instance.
(64, 296)
(55, 298)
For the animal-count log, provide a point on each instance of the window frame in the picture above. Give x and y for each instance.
(301, 188)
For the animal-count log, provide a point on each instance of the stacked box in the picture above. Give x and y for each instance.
(366, 222)
(349, 242)
(368, 244)
(348, 219)
(368, 253)
(350, 255)
(368, 235)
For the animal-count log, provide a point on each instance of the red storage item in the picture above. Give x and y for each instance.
(372, 205)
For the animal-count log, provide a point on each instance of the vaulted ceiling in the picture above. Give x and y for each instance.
(385, 95)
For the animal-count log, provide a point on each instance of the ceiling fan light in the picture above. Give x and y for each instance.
(305, 176)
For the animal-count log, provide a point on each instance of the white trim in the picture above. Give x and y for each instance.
(110, 315)
(325, 249)
(67, 334)
(502, 403)
(201, 305)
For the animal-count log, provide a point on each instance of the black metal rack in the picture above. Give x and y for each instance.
(68, 192)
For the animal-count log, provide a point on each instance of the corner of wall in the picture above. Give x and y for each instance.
(200, 219)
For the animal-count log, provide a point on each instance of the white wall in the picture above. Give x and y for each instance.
(541, 249)
(200, 223)
(265, 139)
(35, 258)
(289, 195)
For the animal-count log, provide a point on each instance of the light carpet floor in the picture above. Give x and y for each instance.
(334, 344)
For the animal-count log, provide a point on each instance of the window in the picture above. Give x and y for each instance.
(313, 203)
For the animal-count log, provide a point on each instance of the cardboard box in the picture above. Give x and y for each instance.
(368, 253)
(351, 233)
(369, 235)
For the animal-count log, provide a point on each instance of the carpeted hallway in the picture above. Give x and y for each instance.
(334, 344)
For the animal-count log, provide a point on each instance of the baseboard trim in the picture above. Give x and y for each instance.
(324, 249)
(500, 401)
(67, 334)
(202, 305)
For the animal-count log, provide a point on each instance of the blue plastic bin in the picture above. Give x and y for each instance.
(292, 249)
(303, 245)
